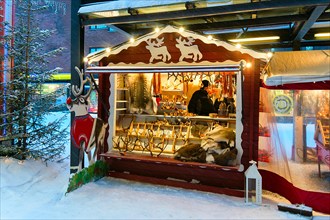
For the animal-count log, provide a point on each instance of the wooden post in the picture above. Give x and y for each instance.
(298, 121)
(77, 53)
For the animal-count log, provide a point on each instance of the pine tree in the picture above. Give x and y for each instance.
(23, 121)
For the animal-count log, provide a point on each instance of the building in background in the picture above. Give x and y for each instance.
(6, 15)
(57, 18)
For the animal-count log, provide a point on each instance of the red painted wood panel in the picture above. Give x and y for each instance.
(250, 112)
(164, 168)
(139, 54)
(174, 183)
(103, 102)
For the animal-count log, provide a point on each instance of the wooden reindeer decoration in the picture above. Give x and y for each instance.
(157, 51)
(87, 132)
(188, 49)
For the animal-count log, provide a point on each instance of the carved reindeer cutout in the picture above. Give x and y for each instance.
(87, 132)
(188, 50)
(157, 51)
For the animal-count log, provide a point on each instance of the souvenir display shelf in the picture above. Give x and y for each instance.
(166, 131)
(161, 134)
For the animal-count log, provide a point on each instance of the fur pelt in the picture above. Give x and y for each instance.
(197, 130)
(219, 145)
(226, 158)
(191, 152)
(222, 134)
(210, 146)
(216, 147)
(141, 100)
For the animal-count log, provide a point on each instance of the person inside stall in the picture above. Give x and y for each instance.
(225, 106)
(200, 103)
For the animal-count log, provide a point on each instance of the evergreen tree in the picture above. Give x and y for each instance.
(23, 120)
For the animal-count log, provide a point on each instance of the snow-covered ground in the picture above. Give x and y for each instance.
(35, 190)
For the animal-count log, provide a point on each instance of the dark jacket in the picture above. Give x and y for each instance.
(200, 103)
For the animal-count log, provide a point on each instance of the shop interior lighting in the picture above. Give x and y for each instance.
(240, 40)
(181, 29)
(157, 29)
(238, 46)
(321, 24)
(209, 37)
(248, 65)
(85, 59)
(132, 40)
(108, 49)
(269, 55)
(327, 34)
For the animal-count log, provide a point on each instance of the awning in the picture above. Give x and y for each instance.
(297, 67)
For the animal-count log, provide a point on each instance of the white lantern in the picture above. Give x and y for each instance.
(253, 184)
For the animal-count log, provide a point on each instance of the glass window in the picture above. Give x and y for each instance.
(98, 27)
(95, 49)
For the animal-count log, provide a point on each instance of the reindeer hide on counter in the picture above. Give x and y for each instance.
(218, 146)
(192, 153)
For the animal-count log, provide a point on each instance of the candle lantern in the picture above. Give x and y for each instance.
(253, 184)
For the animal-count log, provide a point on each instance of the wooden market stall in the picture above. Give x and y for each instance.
(146, 85)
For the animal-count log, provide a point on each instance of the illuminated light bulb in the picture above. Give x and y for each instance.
(108, 49)
(181, 29)
(238, 46)
(132, 40)
(254, 39)
(322, 34)
(269, 54)
(157, 29)
(85, 59)
(248, 65)
(209, 37)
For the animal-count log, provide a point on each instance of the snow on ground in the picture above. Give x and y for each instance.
(306, 176)
(35, 190)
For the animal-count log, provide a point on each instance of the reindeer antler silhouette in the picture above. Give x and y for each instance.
(78, 90)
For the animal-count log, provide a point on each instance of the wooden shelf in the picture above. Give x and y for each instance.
(172, 92)
(122, 104)
(201, 118)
